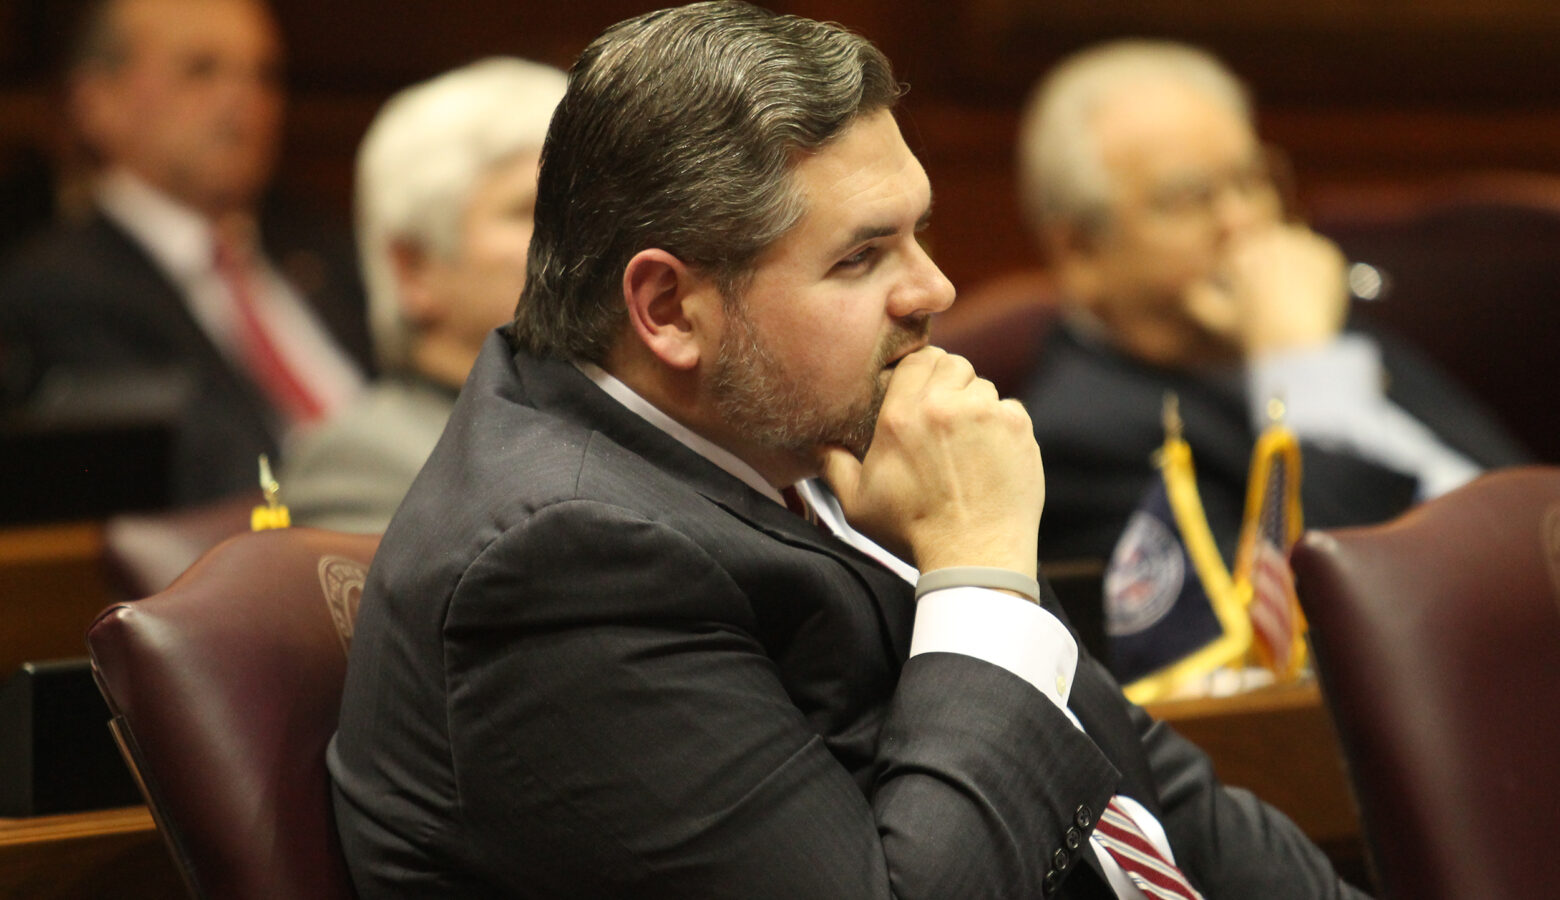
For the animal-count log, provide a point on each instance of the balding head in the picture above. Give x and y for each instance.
(1063, 176)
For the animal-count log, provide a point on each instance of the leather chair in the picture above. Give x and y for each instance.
(1471, 280)
(1437, 640)
(224, 691)
(1000, 326)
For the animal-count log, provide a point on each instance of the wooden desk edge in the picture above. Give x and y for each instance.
(71, 826)
(1277, 698)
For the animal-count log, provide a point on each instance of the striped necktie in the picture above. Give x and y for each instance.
(1154, 875)
(795, 503)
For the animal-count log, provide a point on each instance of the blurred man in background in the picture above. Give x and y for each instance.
(446, 191)
(1143, 176)
(257, 315)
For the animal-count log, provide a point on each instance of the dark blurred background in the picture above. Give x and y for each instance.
(1424, 135)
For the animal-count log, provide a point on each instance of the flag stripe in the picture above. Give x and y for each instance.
(1273, 602)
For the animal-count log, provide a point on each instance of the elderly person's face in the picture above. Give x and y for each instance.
(475, 290)
(1187, 181)
(196, 106)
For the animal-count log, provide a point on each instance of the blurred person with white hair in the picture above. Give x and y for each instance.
(1180, 270)
(446, 190)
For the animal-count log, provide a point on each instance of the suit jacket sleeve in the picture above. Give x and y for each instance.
(697, 773)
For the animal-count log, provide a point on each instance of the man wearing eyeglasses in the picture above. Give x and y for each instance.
(1145, 180)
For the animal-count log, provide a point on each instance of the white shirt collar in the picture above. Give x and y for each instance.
(706, 448)
(822, 502)
(178, 238)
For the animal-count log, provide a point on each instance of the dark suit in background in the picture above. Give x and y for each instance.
(87, 299)
(754, 727)
(1097, 416)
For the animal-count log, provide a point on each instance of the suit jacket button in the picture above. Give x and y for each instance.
(1060, 860)
(1053, 880)
(1074, 839)
(1083, 818)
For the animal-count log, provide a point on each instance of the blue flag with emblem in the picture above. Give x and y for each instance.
(1173, 614)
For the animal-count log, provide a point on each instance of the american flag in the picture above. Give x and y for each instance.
(1272, 525)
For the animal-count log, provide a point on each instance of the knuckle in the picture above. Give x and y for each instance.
(891, 419)
(1016, 413)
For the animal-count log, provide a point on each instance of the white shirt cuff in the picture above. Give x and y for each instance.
(1001, 629)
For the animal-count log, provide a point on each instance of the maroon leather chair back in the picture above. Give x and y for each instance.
(224, 690)
(1437, 640)
(1471, 280)
(1000, 326)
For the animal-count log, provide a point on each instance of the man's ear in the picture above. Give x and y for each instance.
(1074, 256)
(97, 111)
(672, 308)
(414, 281)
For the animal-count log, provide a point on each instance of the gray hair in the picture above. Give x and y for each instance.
(680, 131)
(1062, 175)
(423, 155)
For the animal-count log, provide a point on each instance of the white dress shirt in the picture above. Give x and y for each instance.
(994, 626)
(180, 242)
(1334, 396)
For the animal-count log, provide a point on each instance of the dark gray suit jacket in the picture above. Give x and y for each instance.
(589, 663)
(88, 298)
(1097, 416)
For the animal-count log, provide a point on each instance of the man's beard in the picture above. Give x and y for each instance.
(765, 403)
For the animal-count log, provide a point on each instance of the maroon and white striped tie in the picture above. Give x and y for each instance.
(795, 503)
(1154, 875)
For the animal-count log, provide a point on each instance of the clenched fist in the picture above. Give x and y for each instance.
(953, 476)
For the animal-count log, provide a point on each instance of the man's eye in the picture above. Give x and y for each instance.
(201, 67)
(858, 259)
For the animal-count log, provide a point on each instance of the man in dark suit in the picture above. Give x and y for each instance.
(1165, 229)
(599, 656)
(258, 314)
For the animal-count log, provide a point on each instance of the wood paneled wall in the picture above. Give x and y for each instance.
(1356, 90)
(1360, 93)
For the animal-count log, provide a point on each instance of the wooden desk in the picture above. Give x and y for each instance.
(86, 856)
(1279, 743)
(52, 585)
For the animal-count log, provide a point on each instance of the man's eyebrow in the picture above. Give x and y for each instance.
(872, 232)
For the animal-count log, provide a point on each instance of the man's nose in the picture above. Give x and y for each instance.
(1240, 209)
(924, 290)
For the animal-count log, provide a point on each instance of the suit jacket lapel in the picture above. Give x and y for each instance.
(132, 261)
(893, 596)
(563, 390)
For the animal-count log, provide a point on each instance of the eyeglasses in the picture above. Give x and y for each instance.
(1196, 196)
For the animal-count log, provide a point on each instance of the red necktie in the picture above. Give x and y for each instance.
(265, 362)
(1154, 875)
(795, 503)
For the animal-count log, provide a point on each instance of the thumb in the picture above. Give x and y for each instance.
(842, 470)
